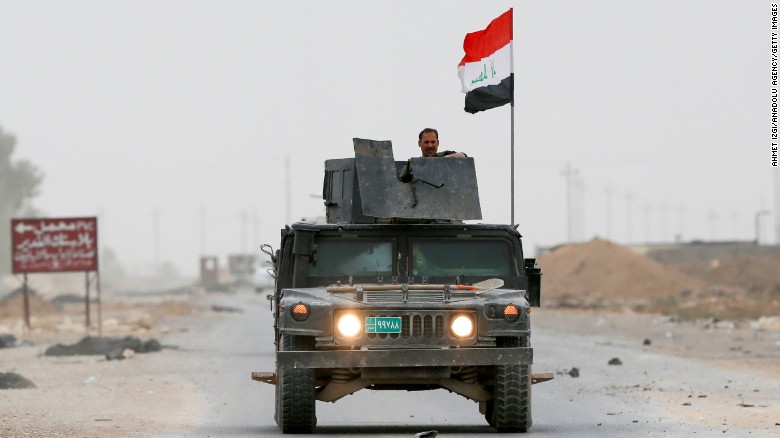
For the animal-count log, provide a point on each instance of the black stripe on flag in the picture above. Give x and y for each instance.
(491, 96)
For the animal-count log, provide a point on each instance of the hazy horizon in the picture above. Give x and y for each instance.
(183, 113)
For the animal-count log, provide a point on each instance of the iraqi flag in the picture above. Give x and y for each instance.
(486, 69)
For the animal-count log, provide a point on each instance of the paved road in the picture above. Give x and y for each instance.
(644, 396)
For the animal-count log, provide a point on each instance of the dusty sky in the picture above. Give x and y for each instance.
(186, 111)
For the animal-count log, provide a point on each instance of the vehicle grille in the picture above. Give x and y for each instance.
(414, 296)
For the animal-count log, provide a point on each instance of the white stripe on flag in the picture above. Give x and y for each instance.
(488, 71)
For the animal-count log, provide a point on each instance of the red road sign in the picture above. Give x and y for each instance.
(54, 245)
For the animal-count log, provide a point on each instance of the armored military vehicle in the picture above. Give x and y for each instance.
(396, 292)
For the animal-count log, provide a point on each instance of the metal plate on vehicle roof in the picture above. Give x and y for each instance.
(443, 189)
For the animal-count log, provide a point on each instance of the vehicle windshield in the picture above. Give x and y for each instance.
(489, 258)
(358, 258)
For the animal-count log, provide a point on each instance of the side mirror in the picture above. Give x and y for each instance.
(534, 275)
(270, 299)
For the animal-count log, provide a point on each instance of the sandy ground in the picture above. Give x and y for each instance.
(93, 397)
(734, 380)
(151, 394)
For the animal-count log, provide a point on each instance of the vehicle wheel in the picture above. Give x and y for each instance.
(510, 409)
(295, 411)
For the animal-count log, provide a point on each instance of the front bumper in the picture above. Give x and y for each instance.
(405, 358)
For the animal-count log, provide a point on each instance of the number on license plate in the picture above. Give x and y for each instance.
(383, 324)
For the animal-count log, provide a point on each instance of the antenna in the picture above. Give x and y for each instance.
(287, 190)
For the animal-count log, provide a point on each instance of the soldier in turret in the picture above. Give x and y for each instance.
(428, 140)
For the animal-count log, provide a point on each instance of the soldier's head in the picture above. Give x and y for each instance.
(428, 140)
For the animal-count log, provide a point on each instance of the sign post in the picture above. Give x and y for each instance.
(41, 245)
(26, 300)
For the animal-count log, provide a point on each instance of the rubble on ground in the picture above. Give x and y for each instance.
(101, 345)
(230, 309)
(14, 381)
(8, 340)
(766, 323)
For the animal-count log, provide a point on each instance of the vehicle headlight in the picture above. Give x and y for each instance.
(462, 326)
(348, 325)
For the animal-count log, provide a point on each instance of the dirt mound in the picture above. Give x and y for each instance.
(600, 271)
(752, 272)
(12, 305)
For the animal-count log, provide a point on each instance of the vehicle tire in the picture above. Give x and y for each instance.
(295, 412)
(510, 409)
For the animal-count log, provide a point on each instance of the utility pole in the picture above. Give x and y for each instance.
(712, 217)
(608, 191)
(156, 236)
(629, 197)
(569, 173)
(680, 222)
(664, 222)
(243, 231)
(202, 221)
(758, 224)
(579, 209)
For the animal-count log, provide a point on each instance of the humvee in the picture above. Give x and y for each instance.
(396, 292)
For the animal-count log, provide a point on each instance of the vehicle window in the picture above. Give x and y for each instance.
(461, 257)
(341, 257)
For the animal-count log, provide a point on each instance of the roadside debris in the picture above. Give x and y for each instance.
(218, 308)
(574, 372)
(127, 353)
(426, 434)
(615, 361)
(766, 323)
(647, 342)
(14, 381)
(743, 404)
(97, 345)
(10, 341)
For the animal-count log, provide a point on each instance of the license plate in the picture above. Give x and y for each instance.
(383, 324)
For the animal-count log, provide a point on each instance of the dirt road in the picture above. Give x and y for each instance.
(690, 379)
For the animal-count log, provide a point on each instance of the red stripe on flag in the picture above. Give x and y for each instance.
(483, 43)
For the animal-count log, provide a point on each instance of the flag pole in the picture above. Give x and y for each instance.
(512, 222)
(512, 136)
